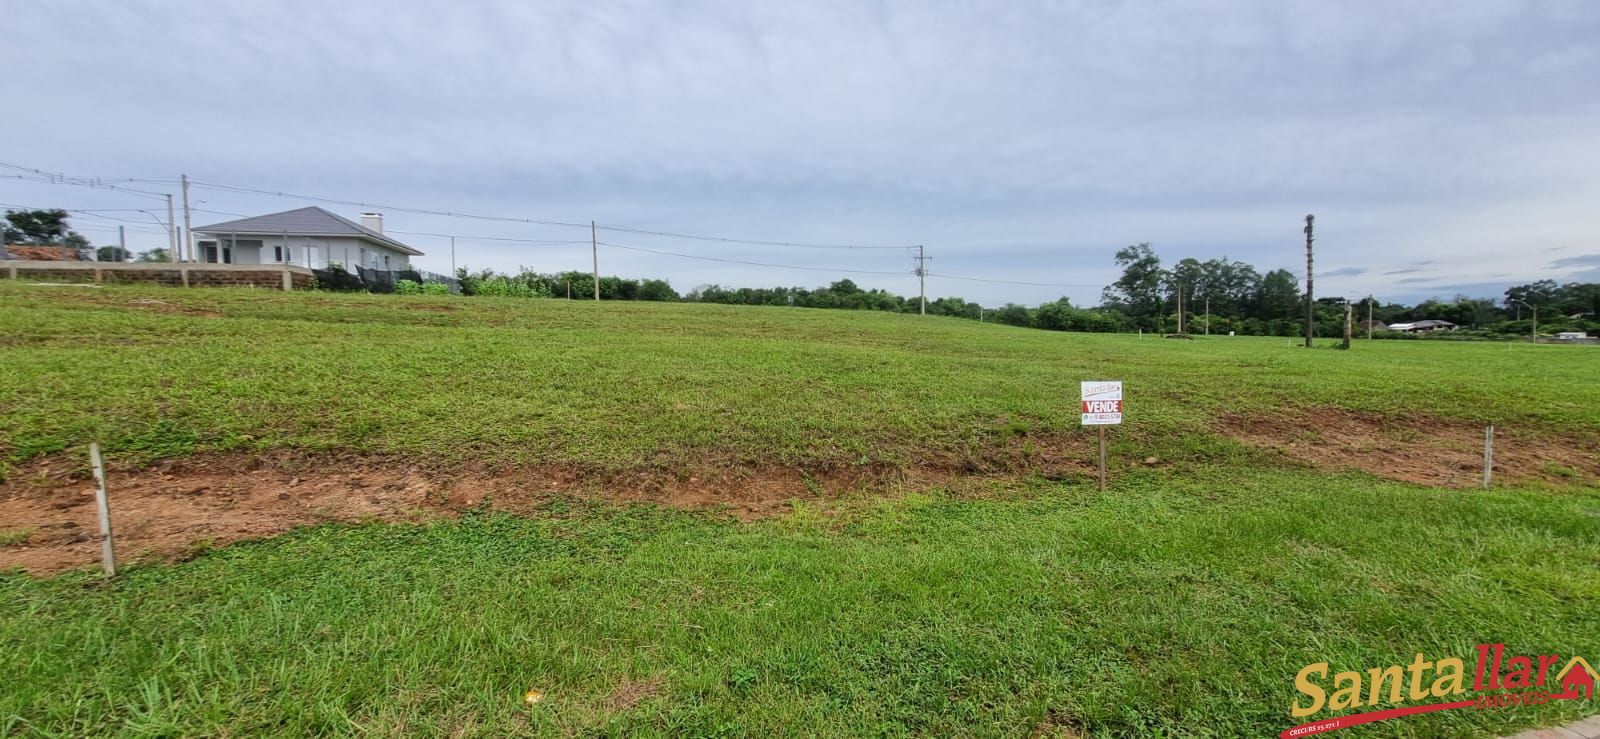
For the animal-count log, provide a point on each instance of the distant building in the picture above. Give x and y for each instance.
(308, 237)
(1422, 327)
(1571, 336)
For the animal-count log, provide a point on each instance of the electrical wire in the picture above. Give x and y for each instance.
(1014, 282)
(468, 237)
(33, 174)
(58, 178)
(729, 240)
(361, 204)
(745, 262)
(541, 222)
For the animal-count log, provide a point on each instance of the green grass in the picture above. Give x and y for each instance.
(1165, 607)
(1182, 602)
(14, 537)
(626, 384)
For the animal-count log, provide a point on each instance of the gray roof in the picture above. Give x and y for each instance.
(309, 221)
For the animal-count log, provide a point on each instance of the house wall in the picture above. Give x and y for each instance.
(323, 250)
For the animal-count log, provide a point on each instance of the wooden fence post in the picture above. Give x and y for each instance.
(1488, 456)
(108, 554)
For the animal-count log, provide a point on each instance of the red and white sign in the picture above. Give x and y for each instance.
(1101, 402)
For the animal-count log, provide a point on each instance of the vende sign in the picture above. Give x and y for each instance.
(1101, 401)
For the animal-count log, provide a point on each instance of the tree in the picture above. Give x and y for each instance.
(1278, 297)
(42, 228)
(155, 255)
(112, 254)
(1536, 293)
(1138, 292)
(1012, 314)
(657, 290)
(1229, 286)
(1057, 316)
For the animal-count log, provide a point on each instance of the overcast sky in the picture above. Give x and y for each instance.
(1444, 146)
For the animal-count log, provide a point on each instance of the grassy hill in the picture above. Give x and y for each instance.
(945, 563)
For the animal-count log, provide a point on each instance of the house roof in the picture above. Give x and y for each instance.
(309, 221)
(1430, 323)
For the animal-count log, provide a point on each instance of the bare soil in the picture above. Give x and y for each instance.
(1420, 449)
(177, 508)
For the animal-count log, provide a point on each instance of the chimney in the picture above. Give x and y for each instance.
(373, 221)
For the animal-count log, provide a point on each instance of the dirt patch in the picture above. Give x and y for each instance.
(48, 520)
(1420, 449)
(630, 693)
(1056, 726)
(162, 306)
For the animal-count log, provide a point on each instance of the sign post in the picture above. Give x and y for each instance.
(1100, 403)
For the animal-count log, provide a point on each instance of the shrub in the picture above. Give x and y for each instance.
(408, 287)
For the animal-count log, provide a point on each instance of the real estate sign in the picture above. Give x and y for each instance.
(1101, 402)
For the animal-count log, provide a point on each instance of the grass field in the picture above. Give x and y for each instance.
(1180, 602)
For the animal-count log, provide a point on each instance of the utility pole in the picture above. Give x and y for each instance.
(122, 242)
(1535, 336)
(172, 230)
(452, 257)
(922, 280)
(1180, 308)
(1349, 312)
(594, 247)
(1311, 304)
(188, 228)
(1208, 315)
(1369, 317)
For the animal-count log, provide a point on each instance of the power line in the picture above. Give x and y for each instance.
(362, 204)
(58, 178)
(730, 240)
(750, 263)
(97, 213)
(469, 237)
(1015, 282)
(535, 221)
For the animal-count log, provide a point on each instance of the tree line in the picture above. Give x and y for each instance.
(1214, 295)
(1222, 295)
(1218, 296)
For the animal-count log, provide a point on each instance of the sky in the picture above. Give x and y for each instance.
(1444, 147)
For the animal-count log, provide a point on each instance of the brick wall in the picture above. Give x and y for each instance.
(198, 275)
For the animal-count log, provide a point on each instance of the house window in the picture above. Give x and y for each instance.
(283, 253)
(386, 261)
(208, 253)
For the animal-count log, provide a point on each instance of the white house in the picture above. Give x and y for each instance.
(1422, 327)
(307, 237)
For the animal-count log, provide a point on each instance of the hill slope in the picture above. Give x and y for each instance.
(944, 565)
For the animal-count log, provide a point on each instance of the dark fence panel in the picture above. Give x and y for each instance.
(378, 280)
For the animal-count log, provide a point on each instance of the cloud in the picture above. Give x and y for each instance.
(1024, 140)
(1587, 260)
(1345, 272)
(1405, 271)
